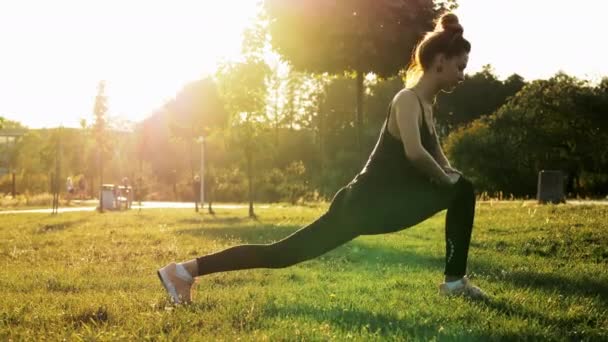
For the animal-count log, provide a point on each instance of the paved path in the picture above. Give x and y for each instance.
(144, 205)
(570, 202)
(187, 205)
(588, 202)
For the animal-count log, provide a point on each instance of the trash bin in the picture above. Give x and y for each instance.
(107, 200)
(550, 188)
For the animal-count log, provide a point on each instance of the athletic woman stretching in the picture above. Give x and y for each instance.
(406, 180)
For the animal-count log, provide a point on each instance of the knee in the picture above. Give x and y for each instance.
(466, 187)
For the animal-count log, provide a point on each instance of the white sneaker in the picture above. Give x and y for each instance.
(178, 286)
(464, 288)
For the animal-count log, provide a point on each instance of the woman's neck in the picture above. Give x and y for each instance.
(427, 89)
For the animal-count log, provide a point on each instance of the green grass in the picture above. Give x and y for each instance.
(90, 276)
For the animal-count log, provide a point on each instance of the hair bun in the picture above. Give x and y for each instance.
(449, 22)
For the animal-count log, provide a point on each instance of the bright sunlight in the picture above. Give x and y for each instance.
(145, 50)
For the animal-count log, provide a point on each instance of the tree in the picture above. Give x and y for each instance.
(33, 159)
(243, 89)
(549, 124)
(480, 94)
(380, 94)
(353, 37)
(196, 111)
(10, 124)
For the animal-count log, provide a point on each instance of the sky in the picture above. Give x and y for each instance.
(54, 53)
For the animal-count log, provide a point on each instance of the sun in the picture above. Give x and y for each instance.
(144, 50)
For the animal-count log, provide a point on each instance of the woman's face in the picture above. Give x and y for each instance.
(453, 71)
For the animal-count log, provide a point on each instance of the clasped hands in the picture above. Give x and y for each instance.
(453, 174)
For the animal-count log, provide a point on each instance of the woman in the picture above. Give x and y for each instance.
(406, 180)
(69, 185)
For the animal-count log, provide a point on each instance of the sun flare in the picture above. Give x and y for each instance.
(145, 50)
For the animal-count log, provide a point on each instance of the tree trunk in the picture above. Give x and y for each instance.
(210, 201)
(359, 122)
(250, 178)
(191, 159)
(321, 147)
(277, 121)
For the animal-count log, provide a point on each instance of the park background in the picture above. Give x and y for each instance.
(293, 115)
(286, 99)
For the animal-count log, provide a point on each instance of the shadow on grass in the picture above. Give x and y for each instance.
(369, 254)
(215, 220)
(566, 325)
(390, 325)
(247, 233)
(357, 320)
(550, 282)
(56, 227)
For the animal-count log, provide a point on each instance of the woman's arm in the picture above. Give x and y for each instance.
(442, 159)
(408, 115)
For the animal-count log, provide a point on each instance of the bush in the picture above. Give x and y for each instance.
(38, 200)
(231, 185)
(269, 187)
(594, 183)
(294, 187)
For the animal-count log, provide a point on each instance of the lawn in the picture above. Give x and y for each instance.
(92, 276)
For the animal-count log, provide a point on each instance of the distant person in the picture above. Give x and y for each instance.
(406, 180)
(69, 184)
(82, 187)
(128, 192)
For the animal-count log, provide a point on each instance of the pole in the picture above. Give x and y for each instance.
(99, 161)
(202, 171)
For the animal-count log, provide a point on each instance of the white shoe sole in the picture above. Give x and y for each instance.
(164, 279)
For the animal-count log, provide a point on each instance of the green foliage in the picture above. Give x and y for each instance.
(243, 89)
(351, 38)
(479, 95)
(10, 124)
(288, 184)
(336, 36)
(231, 185)
(380, 93)
(196, 110)
(259, 121)
(295, 188)
(29, 182)
(549, 124)
(92, 277)
(26, 200)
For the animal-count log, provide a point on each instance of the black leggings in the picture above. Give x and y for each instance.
(329, 231)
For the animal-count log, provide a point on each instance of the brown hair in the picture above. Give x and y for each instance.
(446, 39)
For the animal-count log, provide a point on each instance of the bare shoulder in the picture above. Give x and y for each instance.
(407, 121)
(406, 105)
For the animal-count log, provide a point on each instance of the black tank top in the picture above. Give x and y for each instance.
(388, 161)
